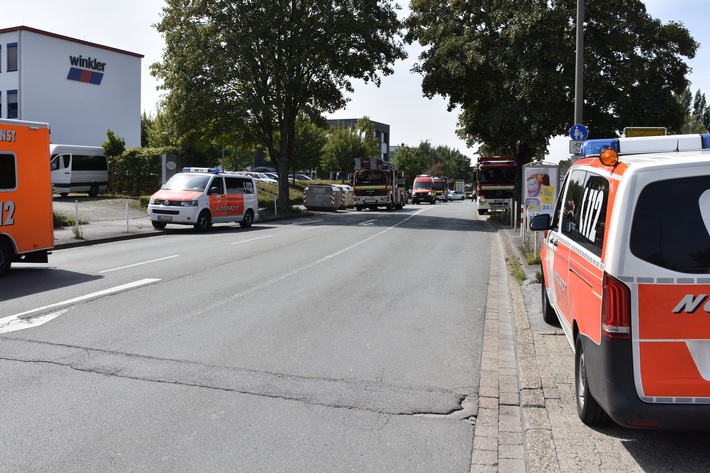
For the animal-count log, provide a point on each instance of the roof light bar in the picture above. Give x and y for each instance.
(193, 169)
(647, 144)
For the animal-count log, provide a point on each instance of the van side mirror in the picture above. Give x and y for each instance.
(540, 222)
(213, 190)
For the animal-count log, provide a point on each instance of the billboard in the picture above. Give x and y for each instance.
(540, 184)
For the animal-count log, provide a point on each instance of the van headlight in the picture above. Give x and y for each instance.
(188, 203)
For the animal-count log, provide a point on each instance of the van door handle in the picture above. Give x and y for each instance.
(553, 241)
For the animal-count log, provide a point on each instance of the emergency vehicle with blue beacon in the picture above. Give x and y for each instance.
(626, 268)
(203, 196)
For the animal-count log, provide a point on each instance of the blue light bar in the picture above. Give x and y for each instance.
(191, 169)
(706, 140)
(595, 147)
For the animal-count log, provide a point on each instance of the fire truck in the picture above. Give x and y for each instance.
(496, 183)
(377, 183)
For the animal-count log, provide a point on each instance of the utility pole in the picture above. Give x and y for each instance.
(579, 69)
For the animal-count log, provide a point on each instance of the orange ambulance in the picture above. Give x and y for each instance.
(626, 266)
(26, 224)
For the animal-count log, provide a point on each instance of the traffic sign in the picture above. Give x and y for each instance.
(578, 132)
(575, 146)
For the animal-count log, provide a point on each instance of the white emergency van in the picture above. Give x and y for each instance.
(626, 267)
(203, 196)
(78, 169)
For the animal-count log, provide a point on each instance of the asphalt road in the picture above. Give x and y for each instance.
(332, 343)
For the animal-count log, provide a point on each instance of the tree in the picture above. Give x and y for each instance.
(510, 67)
(310, 139)
(437, 161)
(697, 119)
(247, 70)
(347, 143)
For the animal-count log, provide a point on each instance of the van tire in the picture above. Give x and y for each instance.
(548, 313)
(204, 221)
(94, 190)
(589, 411)
(248, 219)
(6, 256)
(158, 225)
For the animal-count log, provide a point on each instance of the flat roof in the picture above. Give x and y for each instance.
(67, 38)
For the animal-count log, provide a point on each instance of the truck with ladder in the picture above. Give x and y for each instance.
(377, 183)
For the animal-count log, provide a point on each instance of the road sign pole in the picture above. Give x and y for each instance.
(579, 69)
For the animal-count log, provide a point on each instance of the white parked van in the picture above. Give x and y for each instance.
(78, 169)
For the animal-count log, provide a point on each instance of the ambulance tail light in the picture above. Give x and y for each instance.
(616, 309)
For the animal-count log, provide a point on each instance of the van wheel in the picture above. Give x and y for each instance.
(359, 208)
(248, 219)
(6, 255)
(589, 411)
(94, 190)
(158, 225)
(548, 313)
(204, 221)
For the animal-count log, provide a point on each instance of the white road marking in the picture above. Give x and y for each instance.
(300, 269)
(12, 323)
(251, 239)
(138, 264)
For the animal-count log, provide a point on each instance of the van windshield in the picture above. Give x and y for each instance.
(671, 225)
(422, 185)
(187, 182)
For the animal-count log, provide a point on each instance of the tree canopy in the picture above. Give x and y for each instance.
(347, 143)
(437, 161)
(245, 70)
(510, 67)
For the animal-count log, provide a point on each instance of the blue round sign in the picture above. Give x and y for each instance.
(578, 132)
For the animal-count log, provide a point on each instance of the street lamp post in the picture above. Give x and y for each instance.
(579, 69)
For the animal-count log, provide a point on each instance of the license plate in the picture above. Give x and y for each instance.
(165, 218)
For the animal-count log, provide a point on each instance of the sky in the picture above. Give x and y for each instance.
(398, 102)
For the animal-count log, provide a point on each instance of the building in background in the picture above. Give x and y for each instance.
(382, 132)
(81, 89)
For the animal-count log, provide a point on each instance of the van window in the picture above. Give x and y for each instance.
(584, 210)
(8, 172)
(239, 185)
(82, 162)
(187, 182)
(671, 225)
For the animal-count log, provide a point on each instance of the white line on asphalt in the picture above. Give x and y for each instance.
(300, 269)
(367, 222)
(251, 239)
(15, 323)
(8, 321)
(137, 264)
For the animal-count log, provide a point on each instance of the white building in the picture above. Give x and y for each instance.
(80, 88)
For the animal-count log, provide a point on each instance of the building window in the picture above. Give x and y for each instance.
(12, 108)
(12, 57)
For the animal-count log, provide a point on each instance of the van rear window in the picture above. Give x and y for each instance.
(671, 225)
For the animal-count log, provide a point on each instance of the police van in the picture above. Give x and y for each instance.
(203, 196)
(626, 266)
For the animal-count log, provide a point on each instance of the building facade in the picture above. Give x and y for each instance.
(81, 89)
(382, 133)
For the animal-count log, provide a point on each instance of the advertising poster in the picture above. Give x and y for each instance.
(540, 184)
